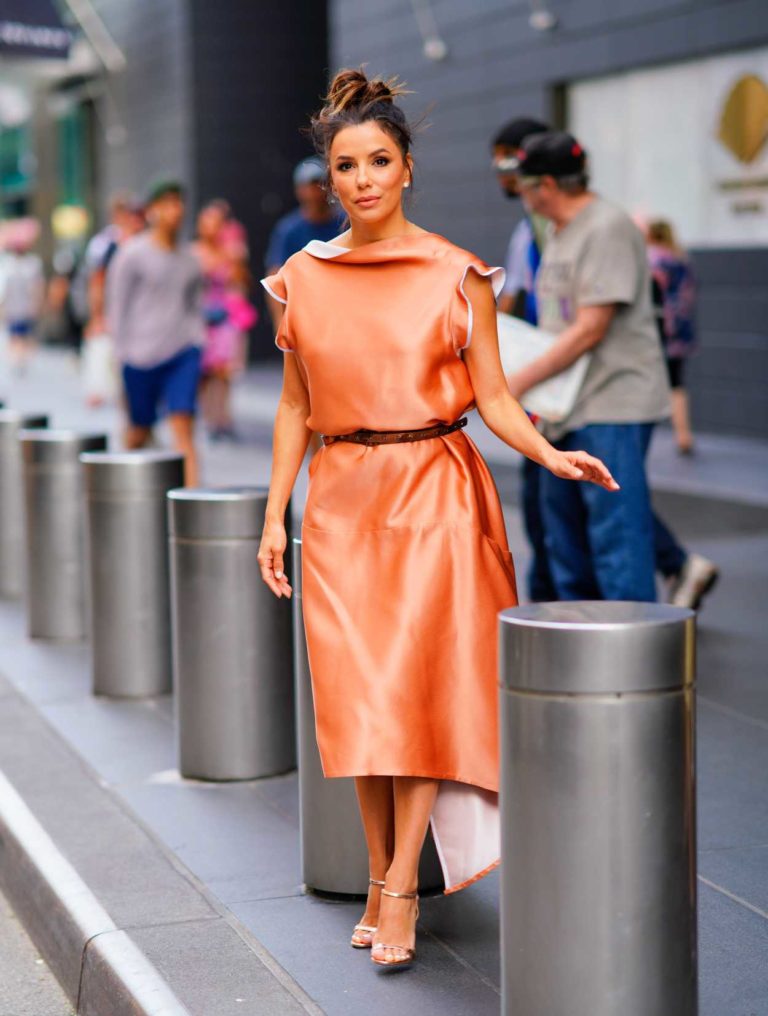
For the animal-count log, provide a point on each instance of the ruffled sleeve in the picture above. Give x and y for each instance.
(461, 311)
(277, 286)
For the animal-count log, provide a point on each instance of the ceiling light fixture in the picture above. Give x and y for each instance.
(541, 18)
(434, 47)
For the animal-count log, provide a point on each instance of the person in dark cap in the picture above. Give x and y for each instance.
(154, 311)
(314, 219)
(525, 245)
(593, 291)
(518, 298)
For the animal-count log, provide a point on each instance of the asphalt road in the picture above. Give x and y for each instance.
(27, 986)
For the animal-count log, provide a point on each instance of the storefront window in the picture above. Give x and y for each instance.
(686, 142)
(73, 157)
(16, 169)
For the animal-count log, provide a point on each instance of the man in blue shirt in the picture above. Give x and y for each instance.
(314, 219)
(518, 298)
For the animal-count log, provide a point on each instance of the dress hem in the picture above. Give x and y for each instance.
(475, 878)
(423, 776)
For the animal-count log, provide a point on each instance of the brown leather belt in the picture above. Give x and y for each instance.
(377, 437)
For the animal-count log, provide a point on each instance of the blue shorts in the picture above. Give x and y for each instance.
(21, 328)
(171, 385)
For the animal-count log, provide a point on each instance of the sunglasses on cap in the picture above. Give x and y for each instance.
(505, 165)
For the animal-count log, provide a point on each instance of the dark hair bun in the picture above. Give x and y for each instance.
(354, 98)
(352, 87)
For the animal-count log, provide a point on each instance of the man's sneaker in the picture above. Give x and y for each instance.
(693, 583)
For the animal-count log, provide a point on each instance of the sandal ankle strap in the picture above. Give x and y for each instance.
(376, 881)
(401, 896)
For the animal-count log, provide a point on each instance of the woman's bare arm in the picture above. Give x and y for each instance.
(500, 412)
(289, 445)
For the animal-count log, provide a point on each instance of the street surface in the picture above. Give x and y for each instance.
(27, 986)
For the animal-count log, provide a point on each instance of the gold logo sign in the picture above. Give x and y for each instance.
(744, 120)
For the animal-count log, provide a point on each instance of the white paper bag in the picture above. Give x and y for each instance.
(99, 370)
(520, 344)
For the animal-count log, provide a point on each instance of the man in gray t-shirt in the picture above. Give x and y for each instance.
(593, 290)
(153, 306)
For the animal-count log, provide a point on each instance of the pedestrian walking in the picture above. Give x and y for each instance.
(518, 297)
(23, 290)
(594, 291)
(390, 336)
(153, 302)
(314, 219)
(228, 316)
(672, 273)
(97, 355)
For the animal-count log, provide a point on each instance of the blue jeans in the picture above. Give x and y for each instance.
(541, 588)
(603, 545)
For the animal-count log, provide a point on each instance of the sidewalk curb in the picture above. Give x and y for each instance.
(98, 966)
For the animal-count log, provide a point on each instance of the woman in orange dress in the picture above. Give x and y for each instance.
(391, 336)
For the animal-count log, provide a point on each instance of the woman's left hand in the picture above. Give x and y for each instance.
(580, 466)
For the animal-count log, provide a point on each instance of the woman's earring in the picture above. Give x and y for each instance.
(407, 183)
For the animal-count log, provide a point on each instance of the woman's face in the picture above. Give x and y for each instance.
(209, 223)
(368, 172)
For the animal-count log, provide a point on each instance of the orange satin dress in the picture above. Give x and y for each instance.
(405, 556)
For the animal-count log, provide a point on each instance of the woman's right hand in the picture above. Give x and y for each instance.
(270, 557)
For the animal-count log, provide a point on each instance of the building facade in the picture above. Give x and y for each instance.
(212, 94)
(670, 99)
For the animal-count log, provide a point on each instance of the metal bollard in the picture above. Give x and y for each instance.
(55, 544)
(598, 884)
(128, 561)
(231, 640)
(12, 500)
(334, 857)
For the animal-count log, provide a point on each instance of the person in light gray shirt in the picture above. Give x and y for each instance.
(154, 288)
(593, 291)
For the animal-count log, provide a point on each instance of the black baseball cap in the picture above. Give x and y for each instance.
(161, 188)
(555, 153)
(512, 134)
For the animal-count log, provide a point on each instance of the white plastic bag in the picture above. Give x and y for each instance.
(520, 344)
(99, 370)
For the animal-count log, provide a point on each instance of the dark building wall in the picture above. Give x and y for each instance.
(257, 72)
(499, 67)
(146, 123)
(215, 94)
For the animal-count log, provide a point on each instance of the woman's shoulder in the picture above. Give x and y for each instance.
(458, 257)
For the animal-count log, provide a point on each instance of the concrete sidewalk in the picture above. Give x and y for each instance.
(236, 844)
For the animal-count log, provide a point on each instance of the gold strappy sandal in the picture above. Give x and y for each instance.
(407, 955)
(364, 941)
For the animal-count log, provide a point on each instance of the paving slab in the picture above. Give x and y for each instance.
(733, 946)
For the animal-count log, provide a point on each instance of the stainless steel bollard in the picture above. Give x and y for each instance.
(12, 500)
(598, 886)
(55, 544)
(128, 561)
(334, 857)
(231, 640)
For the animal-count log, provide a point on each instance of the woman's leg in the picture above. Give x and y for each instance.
(377, 808)
(204, 395)
(225, 402)
(681, 420)
(414, 798)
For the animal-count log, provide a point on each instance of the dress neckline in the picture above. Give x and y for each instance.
(325, 250)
